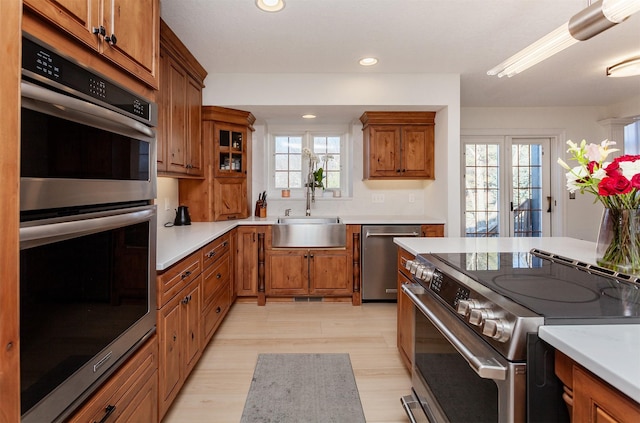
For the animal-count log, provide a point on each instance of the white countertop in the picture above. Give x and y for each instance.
(567, 247)
(611, 352)
(176, 242)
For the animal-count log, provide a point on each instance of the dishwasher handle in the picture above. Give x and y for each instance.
(388, 234)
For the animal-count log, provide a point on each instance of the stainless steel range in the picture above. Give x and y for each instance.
(477, 355)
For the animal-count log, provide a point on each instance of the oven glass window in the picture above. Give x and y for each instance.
(52, 147)
(449, 385)
(76, 297)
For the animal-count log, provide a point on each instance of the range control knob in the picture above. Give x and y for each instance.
(465, 306)
(498, 329)
(407, 264)
(478, 315)
(427, 274)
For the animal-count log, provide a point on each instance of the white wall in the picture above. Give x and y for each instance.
(439, 92)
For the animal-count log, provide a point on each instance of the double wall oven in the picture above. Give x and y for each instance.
(477, 356)
(87, 230)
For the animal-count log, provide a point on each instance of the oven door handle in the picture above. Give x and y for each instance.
(33, 236)
(479, 357)
(52, 102)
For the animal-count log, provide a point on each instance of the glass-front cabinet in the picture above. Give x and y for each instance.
(230, 156)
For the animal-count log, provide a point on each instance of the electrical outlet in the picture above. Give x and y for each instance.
(412, 198)
(377, 198)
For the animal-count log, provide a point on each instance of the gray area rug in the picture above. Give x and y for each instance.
(297, 388)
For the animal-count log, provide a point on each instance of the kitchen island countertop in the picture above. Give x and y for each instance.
(612, 352)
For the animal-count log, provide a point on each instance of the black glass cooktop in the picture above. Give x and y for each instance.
(563, 294)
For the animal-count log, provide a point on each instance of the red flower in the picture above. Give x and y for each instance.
(614, 185)
(635, 181)
(613, 169)
(592, 167)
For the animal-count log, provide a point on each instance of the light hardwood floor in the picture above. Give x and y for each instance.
(218, 386)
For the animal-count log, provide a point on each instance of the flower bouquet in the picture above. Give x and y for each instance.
(616, 184)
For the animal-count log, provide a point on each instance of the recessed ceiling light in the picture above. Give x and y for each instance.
(309, 116)
(270, 5)
(368, 61)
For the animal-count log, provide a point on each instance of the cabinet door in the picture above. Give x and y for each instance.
(384, 146)
(144, 406)
(230, 198)
(193, 129)
(75, 17)
(170, 338)
(230, 146)
(330, 273)
(595, 401)
(246, 261)
(176, 117)
(191, 308)
(288, 273)
(417, 152)
(136, 27)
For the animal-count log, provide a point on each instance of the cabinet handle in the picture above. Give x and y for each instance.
(175, 337)
(311, 255)
(218, 276)
(225, 243)
(107, 412)
(398, 170)
(218, 310)
(186, 274)
(111, 40)
(186, 299)
(211, 254)
(99, 30)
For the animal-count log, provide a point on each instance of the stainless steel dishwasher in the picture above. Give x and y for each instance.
(379, 255)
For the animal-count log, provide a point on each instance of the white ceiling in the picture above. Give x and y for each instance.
(467, 37)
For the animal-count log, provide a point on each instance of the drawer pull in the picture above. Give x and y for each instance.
(218, 310)
(218, 276)
(186, 274)
(107, 412)
(225, 243)
(186, 299)
(211, 254)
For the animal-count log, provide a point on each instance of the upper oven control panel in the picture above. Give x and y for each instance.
(43, 65)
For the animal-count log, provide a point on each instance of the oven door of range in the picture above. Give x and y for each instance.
(456, 376)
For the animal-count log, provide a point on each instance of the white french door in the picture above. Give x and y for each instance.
(507, 186)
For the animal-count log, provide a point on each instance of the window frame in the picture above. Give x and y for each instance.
(307, 136)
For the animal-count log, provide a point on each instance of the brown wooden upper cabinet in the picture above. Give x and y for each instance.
(398, 145)
(180, 109)
(123, 31)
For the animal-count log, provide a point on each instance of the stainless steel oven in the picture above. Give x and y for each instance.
(87, 230)
(477, 356)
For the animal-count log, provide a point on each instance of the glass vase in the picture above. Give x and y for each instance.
(618, 246)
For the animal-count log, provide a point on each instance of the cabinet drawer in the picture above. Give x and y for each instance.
(215, 311)
(215, 277)
(177, 277)
(212, 252)
(121, 390)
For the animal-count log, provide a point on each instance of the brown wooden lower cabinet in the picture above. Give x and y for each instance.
(302, 272)
(179, 335)
(130, 395)
(590, 399)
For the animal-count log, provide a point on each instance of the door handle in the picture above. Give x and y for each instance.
(549, 204)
